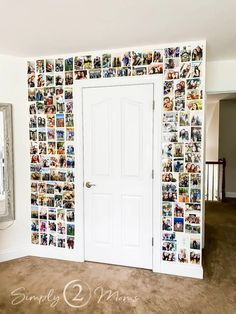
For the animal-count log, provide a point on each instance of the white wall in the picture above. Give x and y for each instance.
(212, 131)
(220, 76)
(14, 90)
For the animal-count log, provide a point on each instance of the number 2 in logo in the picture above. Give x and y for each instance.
(77, 293)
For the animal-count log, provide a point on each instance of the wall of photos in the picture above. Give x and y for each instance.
(51, 134)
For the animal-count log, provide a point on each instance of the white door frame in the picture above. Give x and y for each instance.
(157, 151)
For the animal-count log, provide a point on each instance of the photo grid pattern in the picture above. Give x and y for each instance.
(51, 133)
(182, 154)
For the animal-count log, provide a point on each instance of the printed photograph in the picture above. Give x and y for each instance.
(195, 243)
(158, 55)
(170, 117)
(35, 238)
(196, 118)
(170, 236)
(178, 150)
(195, 195)
(178, 165)
(170, 127)
(178, 209)
(179, 103)
(185, 54)
(168, 88)
(196, 134)
(123, 71)
(139, 71)
(81, 75)
(95, 74)
(30, 67)
(185, 70)
(40, 66)
(69, 64)
(172, 63)
(172, 52)
(137, 58)
(184, 118)
(195, 257)
(168, 256)
(194, 105)
(70, 242)
(169, 246)
(168, 103)
(49, 65)
(116, 61)
(167, 209)
(184, 180)
(191, 206)
(184, 134)
(167, 224)
(183, 256)
(70, 229)
(52, 241)
(192, 229)
(79, 63)
(59, 65)
(70, 215)
(106, 60)
(126, 59)
(61, 241)
(183, 195)
(196, 69)
(167, 165)
(197, 53)
(110, 72)
(167, 151)
(147, 57)
(171, 75)
(43, 239)
(155, 68)
(69, 78)
(97, 64)
(178, 224)
(87, 62)
(192, 218)
(195, 180)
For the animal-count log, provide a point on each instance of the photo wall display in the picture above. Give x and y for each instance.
(52, 151)
(182, 132)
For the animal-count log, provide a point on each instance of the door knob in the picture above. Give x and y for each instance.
(89, 184)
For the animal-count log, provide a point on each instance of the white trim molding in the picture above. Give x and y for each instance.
(230, 194)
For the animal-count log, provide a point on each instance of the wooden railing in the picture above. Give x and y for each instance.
(215, 180)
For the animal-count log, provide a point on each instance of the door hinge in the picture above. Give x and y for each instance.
(152, 173)
(153, 105)
(152, 241)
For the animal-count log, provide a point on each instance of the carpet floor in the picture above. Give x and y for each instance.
(131, 290)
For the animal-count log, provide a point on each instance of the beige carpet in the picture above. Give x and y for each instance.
(135, 290)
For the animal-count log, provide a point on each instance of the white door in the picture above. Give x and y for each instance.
(118, 131)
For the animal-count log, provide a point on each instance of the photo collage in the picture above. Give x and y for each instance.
(52, 149)
(182, 123)
(52, 153)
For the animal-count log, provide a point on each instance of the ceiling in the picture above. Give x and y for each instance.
(49, 27)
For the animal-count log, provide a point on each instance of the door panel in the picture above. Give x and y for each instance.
(118, 159)
(131, 128)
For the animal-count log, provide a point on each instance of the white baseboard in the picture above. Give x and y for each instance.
(10, 254)
(230, 194)
(185, 270)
